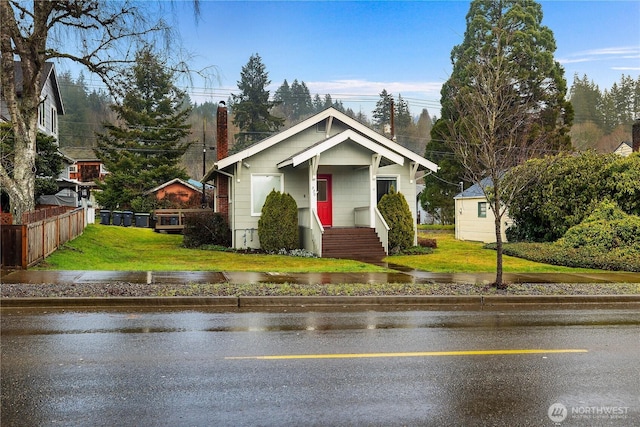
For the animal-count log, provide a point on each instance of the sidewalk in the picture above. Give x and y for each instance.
(410, 276)
(333, 303)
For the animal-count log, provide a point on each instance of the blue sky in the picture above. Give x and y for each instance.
(353, 50)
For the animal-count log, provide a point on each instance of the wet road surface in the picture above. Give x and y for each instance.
(199, 368)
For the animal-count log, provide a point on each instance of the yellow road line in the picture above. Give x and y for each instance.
(410, 354)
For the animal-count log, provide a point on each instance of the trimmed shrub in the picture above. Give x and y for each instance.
(395, 211)
(206, 228)
(278, 224)
(564, 187)
(427, 243)
(606, 229)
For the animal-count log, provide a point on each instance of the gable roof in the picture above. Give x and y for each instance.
(173, 181)
(624, 147)
(49, 73)
(328, 143)
(475, 190)
(80, 154)
(358, 133)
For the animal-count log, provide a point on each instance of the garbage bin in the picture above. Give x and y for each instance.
(117, 218)
(127, 218)
(105, 217)
(142, 220)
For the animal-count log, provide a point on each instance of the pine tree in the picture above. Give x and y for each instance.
(143, 148)
(251, 107)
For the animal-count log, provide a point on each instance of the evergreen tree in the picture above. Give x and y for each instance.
(586, 99)
(318, 103)
(251, 107)
(300, 100)
(382, 113)
(282, 97)
(143, 148)
(437, 197)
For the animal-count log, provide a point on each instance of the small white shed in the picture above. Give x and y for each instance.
(475, 220)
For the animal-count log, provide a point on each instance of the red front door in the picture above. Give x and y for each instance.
(325, 208)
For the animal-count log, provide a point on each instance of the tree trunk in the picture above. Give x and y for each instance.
(499, 282)
(498, 229)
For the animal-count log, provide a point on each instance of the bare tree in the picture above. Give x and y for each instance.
(504, 102)
(102, 36)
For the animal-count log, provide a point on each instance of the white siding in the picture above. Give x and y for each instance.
(470, 227)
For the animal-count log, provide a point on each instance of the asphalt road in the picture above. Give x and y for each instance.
(190, 368)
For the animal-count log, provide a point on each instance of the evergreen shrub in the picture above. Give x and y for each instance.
(206, 228)
(395, 211)
(278, 224)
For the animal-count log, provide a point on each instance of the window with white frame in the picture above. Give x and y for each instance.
(482, 209)
(54, 120)
(384, 184)
(73, 169)
(42, 117)
(261, 186)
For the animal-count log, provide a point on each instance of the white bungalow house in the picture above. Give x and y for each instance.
(336, 169)
(474, 217)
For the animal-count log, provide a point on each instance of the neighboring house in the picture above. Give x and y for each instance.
(51, 102)
(83, 165)
(336, 169)
(475, 219)
(624, 149)
(83, 170)
(178, 191)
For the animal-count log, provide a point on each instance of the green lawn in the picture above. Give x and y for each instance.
(104, 247)
(128, 248)
(453, 256)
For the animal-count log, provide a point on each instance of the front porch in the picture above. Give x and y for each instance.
(358, 241)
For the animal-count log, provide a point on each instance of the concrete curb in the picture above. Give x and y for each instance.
(351, 302)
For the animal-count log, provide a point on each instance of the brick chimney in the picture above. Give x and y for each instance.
(635, 136)
(222, 151)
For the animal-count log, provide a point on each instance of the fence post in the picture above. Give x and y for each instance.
(25, 249)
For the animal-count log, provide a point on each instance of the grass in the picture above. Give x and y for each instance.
(103, 247)
(456, 256)
(138, 249)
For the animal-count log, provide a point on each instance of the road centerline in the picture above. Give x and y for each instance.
(495, 352)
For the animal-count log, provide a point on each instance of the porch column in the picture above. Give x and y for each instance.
(373, 175)
(313, 187)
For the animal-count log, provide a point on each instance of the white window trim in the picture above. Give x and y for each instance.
(73, 169)
(389, 178)
(280, 175)
(42, 114)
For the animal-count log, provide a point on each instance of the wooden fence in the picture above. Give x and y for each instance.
(29, 243)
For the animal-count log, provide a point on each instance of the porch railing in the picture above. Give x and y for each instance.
(311, 229)
(382, 230)
(361, 217)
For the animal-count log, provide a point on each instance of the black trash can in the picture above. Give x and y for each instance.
(116, 218)
(105, 217)
(127, 218)
(142, 220)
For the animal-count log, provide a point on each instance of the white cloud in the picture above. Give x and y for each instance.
(603, 54)
(354, 88)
